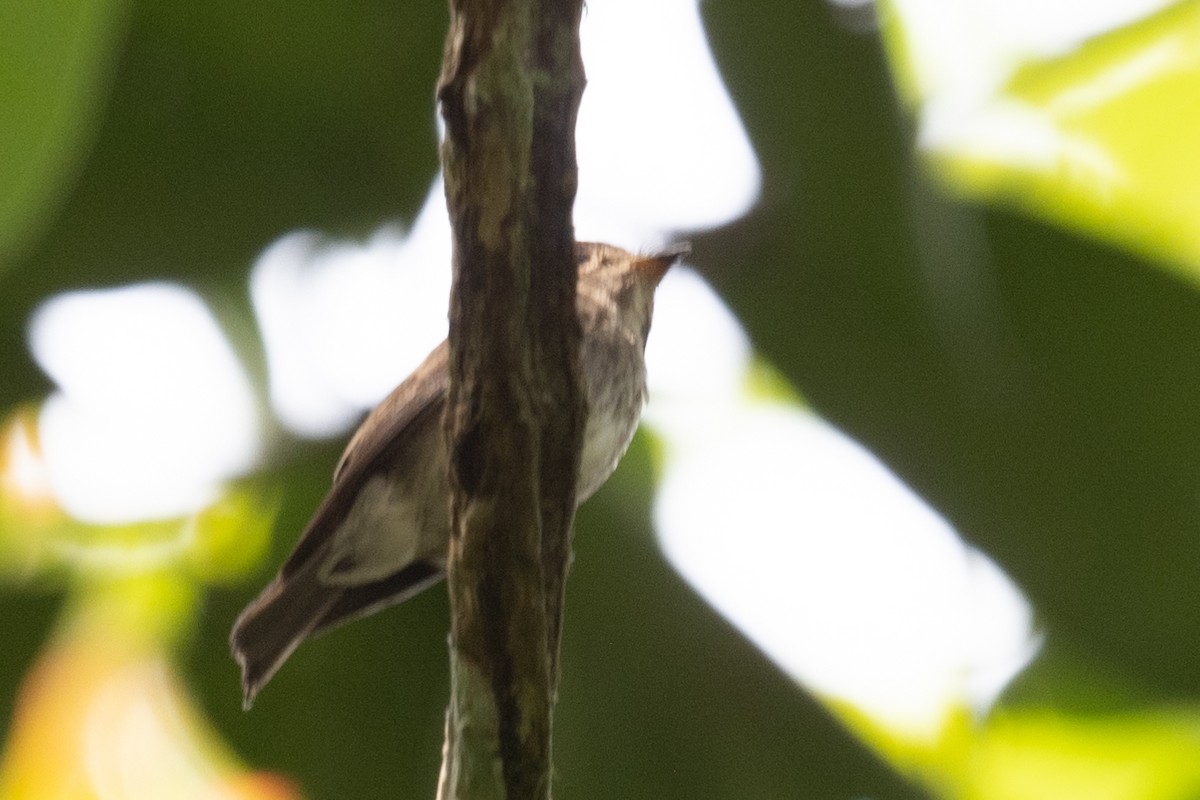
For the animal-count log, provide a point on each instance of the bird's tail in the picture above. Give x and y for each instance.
(299, 605)
(288, 611)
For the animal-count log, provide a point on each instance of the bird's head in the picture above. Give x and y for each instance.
(621, 284)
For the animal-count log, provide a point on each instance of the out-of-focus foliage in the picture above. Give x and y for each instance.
(222, 543)
(51, 113)
(1038, 387)
(1098, 138)
(104, 714)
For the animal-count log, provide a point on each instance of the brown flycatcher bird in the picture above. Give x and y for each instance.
(382, 532)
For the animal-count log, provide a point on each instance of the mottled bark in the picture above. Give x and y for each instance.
(509, 91)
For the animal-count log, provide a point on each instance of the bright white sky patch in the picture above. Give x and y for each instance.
(811, 546)
(839, 573)
(696, 358)
(660, 146)
(152, 410)
(343, 323)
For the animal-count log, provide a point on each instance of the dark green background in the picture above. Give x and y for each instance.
(1037, 388)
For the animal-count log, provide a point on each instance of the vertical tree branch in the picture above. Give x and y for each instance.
(509, 91)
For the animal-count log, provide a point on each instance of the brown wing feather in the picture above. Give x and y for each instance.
(297, 604)
(422, 394)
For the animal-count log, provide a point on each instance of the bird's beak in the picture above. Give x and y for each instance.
(655, 266)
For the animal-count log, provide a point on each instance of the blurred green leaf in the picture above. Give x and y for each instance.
(57, 64)
(1046, 755)
(1100, 139)
(231, 538)
(103, 707)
